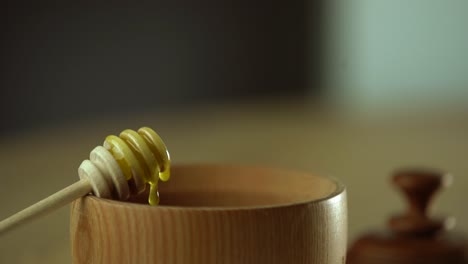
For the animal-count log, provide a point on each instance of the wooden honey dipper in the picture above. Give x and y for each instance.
(121, 167)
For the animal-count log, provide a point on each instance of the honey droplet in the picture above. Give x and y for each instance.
(153, 198)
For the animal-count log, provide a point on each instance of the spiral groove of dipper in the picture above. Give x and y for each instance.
(125, 164)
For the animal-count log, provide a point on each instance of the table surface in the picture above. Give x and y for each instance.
(362, 152)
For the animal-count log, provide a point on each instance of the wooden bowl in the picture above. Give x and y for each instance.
(218, 214)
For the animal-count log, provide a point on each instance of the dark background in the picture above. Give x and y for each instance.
(67, 61)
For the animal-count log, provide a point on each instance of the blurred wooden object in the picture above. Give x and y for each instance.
(414, 236)
(218, 214)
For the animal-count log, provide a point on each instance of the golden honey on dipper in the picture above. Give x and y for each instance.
(130, 161)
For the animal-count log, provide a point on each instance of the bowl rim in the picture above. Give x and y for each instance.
(339, 190)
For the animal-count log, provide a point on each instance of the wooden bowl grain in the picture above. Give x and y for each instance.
(218, 214)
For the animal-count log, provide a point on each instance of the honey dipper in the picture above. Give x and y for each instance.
(123, 166)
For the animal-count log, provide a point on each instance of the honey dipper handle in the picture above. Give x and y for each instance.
(46, 205)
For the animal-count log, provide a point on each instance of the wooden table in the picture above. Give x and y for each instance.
(361, 152)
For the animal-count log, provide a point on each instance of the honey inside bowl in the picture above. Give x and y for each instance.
(239, 186)
(217, 214)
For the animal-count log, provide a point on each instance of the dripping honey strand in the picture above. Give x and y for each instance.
(147, 159)
(142, 156)
(159, 149)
